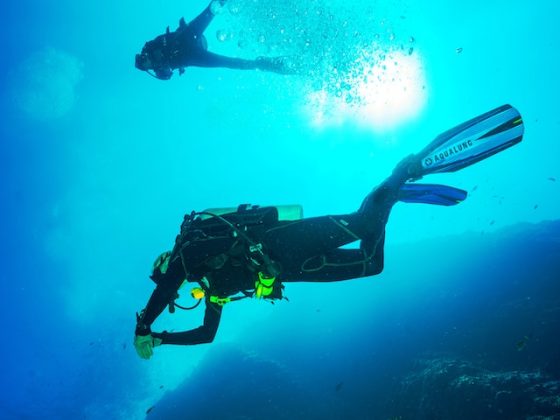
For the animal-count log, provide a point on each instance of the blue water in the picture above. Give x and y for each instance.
(99, 163)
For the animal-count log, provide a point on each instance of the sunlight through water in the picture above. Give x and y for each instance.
(378, 92)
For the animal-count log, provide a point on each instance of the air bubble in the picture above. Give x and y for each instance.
(222, 35)
(216, 8)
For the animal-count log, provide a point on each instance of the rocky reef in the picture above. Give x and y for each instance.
(446, 388)
(481, 343)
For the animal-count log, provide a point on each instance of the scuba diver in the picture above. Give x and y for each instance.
(187, 47)
(251, 251)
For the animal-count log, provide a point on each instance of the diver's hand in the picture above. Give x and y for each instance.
(144, 345)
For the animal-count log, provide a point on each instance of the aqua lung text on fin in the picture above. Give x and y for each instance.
(453, 150)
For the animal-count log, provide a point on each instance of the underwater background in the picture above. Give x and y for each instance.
(99, 163)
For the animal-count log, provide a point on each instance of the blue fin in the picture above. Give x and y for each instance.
(473, 141)
(441, 195)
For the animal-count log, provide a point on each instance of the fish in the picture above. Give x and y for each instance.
(339, 386)
(150, 409)
(521, 344)
(551, 178)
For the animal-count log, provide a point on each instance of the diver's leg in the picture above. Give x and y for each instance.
(314, 242)
(303, 239)
(308, 248)
(336, 265)
(199, 24)
(204, 58)
(376, 207)
(378, 203)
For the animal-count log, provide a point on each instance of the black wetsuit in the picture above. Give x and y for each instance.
(187, 47)
(306, 250)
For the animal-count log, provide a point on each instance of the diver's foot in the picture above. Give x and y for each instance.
(278, 64)
(267, 63)
(216, 6)
(408, 169)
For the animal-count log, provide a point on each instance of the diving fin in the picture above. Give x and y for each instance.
(441, 195)
(472, 141)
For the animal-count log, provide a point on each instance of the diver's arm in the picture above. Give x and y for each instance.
(203, 334)
(158, 301)
(199, 24)
(162, 295)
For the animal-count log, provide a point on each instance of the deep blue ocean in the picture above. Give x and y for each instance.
(99, 162)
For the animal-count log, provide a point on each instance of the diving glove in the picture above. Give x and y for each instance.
(144, 345)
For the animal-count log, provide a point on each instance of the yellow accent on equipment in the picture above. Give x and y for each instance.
(219, 301)
(264, 285)
(197, 293)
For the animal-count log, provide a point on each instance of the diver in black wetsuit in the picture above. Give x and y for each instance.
(187, 47)
(251, 252)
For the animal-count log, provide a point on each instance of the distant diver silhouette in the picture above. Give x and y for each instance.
(187, 47)
(250, 251)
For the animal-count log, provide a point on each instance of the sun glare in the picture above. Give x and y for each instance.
(379, 92)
